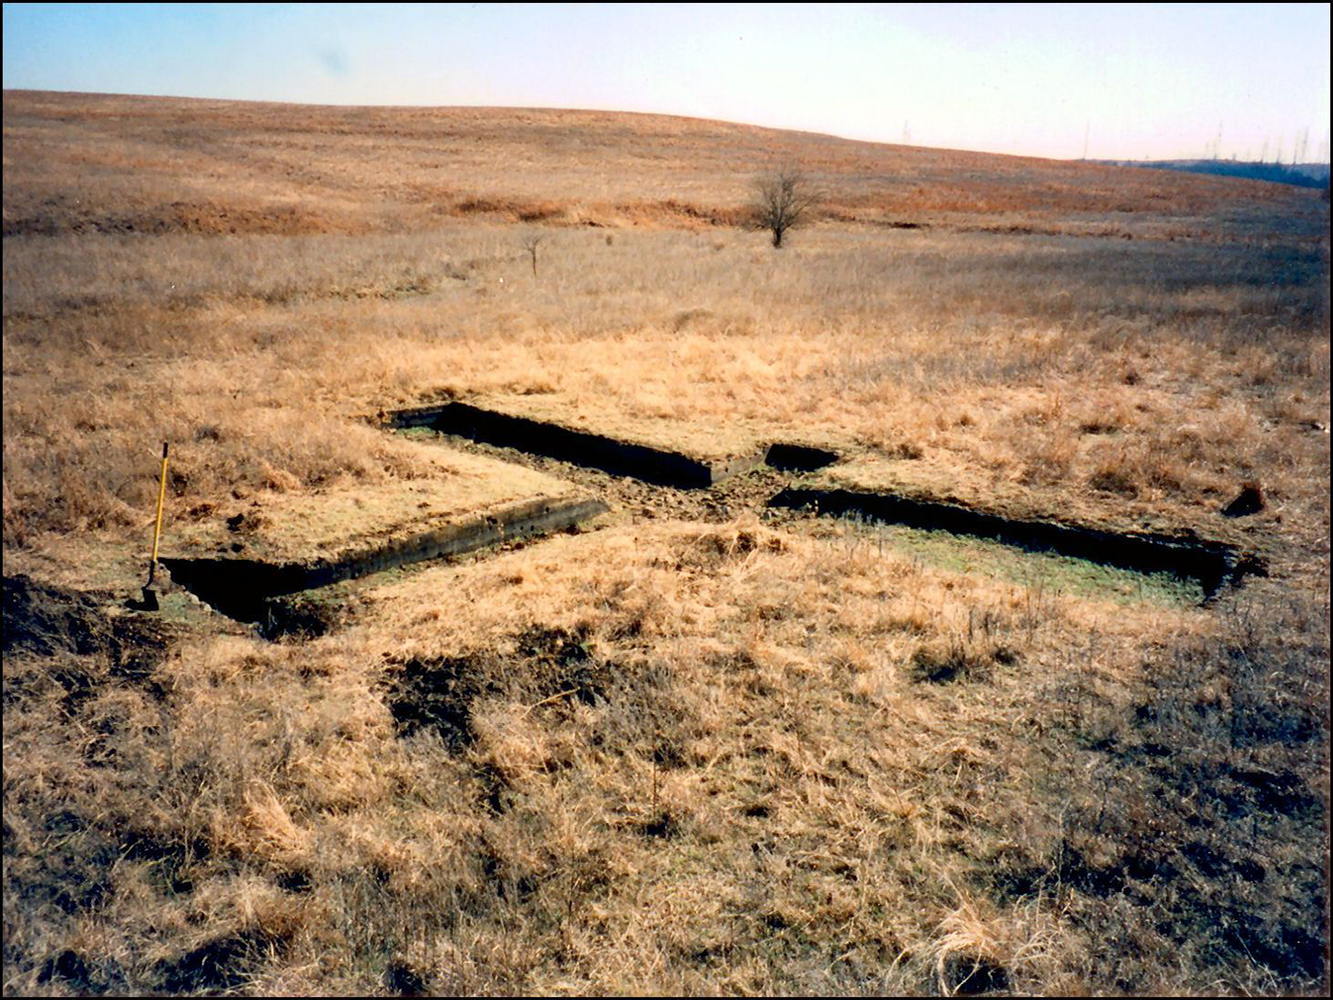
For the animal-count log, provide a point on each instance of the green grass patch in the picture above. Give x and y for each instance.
(1048, 571)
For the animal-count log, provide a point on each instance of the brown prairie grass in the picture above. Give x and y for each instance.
(105, 163)
(690, 760)
(998, 378)
(662, 756)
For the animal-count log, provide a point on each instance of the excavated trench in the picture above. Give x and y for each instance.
(798, 457)
(583, 448)
(1211, 564)
(258, 592)
(274, 596)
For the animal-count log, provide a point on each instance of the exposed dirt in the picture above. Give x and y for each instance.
(83, 975)
(218, 965)
(438, 694)
(639, 500)
(48, 621)
(768, 490)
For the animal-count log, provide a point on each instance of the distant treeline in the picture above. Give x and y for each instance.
(1311, 175)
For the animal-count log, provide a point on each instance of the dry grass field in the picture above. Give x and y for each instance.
(697, 745)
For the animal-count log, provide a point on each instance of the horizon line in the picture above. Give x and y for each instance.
(647, 114)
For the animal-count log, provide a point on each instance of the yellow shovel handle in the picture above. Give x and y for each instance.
(161, 496)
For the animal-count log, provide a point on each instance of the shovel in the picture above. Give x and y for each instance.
(149, 602)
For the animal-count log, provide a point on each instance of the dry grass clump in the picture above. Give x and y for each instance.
(1187, 804)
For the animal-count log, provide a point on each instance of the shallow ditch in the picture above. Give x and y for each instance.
(798, 457)
(536, 437)
(262, 593)
(1210, 564)
(277, 597)
(658, 466)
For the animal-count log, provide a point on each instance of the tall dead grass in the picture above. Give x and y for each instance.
(686, 759)
(1148, 376)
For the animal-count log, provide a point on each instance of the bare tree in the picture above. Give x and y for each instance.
(783, 198)
(530, 243)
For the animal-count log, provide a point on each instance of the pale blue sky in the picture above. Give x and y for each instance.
(1139, 81)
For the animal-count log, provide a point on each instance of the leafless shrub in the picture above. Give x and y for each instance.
(782, 200)
(530, 244)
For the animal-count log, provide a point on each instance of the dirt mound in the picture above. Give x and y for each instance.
(47, 620)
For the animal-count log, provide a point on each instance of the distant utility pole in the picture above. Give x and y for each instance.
(907, 134)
